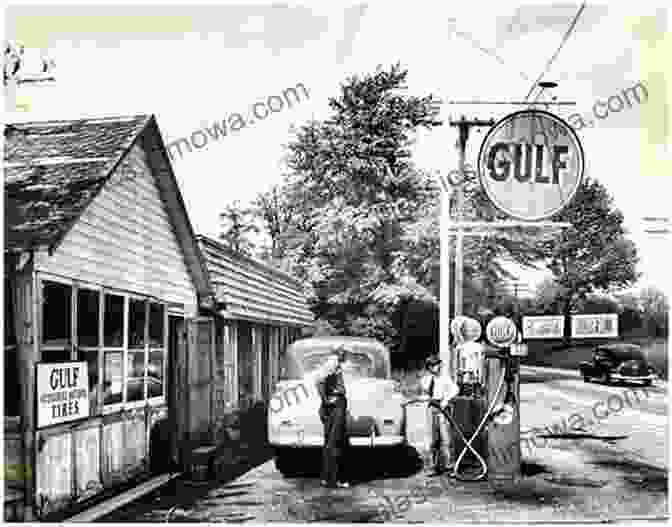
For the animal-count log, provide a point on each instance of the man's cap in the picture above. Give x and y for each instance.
(434, 360)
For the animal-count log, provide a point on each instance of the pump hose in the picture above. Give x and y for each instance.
(484, 466)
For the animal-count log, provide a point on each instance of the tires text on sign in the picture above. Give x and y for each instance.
(531, 164)
(62, 392)
(594, 326)
(501, 332)
(543, 327)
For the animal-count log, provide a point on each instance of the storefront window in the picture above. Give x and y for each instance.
(137, 318)
(155, 374)
(88, 317)
(135, 378)
(156, 325)
(91, 358)
(56, 314)
(113, 377)
(114, 321)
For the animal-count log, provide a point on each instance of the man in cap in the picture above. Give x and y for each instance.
(439, 388)
(333, 411)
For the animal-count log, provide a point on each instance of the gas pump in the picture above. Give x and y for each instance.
(485, 414)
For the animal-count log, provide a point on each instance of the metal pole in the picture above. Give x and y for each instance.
(444, 311)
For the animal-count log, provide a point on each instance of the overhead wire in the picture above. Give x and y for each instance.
(564, 40)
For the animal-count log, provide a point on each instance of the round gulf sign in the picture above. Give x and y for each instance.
(501, 331)
(531, 164)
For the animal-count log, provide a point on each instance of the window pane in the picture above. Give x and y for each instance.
(62, 355)
(137, 317)
(91, 358)
(114, 321)
(112, 377)
(156, 335)
(135, 384)
(88, 317)
(56, 311)
(155, 374)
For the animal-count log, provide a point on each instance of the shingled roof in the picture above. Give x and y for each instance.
(53, 170)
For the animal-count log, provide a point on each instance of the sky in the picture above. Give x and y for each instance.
(192, 65)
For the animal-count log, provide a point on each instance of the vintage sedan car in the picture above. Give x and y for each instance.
(375, 415)
(618, 362)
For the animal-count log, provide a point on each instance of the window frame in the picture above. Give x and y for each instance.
(102, 349)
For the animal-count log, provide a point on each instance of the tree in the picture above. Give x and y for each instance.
(593, 254)
(655, 308)
(275, 213)
(238, 224)
(355, 196)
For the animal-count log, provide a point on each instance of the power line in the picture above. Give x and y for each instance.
(557, 51)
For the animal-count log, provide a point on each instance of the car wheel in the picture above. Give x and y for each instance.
(586, 378)
(606, 379)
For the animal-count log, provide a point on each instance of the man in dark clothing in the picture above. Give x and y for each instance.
(333, 411)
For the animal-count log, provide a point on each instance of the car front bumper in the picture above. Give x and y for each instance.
(318, 441)
(633, 378)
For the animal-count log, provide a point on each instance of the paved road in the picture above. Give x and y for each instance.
(564, 479)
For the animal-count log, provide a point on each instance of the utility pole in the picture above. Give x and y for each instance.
(463, 125)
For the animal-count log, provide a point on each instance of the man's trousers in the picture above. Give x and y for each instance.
(333, 418)
(440, 446)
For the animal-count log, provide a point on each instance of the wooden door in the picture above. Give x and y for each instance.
(245, 365)
(176, 383)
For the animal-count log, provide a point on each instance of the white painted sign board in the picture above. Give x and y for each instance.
(62, 392)
(543, 327)
(594, 326)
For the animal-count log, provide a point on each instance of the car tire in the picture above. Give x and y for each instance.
(586, 378)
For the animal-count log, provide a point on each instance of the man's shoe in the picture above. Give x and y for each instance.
(324, 483)
(343, 485)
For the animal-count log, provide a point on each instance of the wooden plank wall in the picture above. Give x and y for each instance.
(124, 240)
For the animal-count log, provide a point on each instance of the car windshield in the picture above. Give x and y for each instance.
(357, 364)
(624, 353)
(360, 361)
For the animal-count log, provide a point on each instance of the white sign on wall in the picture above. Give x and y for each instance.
(62, 392)
(543, 327)
(594, 326)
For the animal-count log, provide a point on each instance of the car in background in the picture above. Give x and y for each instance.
(375, 415)
(618, 362)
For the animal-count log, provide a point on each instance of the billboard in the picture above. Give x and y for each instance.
(594, 326)
(544, 327)
(62, 392)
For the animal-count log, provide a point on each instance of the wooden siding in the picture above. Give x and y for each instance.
(252, 290)
(124, 240)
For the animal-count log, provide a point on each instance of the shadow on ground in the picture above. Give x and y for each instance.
(361, 464)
